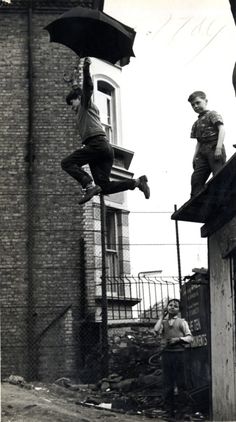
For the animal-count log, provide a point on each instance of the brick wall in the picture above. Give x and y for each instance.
(41, 223)
(13, 123)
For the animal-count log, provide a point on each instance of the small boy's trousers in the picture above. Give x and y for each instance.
(174, 375)
(205, 164)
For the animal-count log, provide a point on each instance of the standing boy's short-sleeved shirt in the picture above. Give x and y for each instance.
(205, 129)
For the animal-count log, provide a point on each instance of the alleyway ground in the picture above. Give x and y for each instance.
(47, 403)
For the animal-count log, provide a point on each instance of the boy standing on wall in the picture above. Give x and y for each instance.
(209, 131)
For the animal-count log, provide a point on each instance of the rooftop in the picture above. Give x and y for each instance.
(216, 202)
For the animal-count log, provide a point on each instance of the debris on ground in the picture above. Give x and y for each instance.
(136, 390)
(144, 399)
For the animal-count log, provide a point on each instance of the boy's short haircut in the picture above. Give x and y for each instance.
(196, 94)
(173, 300)
(73, 94)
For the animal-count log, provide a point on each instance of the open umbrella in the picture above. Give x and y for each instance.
(90, 32)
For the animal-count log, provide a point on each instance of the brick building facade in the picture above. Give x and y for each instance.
(51, 254)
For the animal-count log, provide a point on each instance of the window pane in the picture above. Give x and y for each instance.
(105, 100)
(111, 231)
(103, 107)
(109, 111)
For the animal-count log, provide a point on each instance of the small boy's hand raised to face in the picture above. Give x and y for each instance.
(164, 312)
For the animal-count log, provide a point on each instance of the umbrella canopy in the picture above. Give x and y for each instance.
(90, 32)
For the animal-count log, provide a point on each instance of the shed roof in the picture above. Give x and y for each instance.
(218, 198)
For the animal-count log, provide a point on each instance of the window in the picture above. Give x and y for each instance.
(106, 102)
(114, 254)
(115, 285)
(112, 244)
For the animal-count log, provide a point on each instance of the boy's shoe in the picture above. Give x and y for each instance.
(90, 192)
(143, 186)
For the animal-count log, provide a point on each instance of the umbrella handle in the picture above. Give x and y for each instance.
(67, 77)
(73, 76)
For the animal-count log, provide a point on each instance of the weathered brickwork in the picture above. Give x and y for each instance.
(50, 246)
(41, 223)
(14, 127)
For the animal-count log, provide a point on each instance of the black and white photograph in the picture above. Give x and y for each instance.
(118, 210)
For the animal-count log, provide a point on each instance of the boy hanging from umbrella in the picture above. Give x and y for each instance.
(96, 151)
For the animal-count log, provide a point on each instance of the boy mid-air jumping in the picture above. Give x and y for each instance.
(96, 151)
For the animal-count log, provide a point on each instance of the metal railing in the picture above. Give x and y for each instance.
(136, 298)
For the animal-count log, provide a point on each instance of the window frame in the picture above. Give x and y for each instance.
(114, 129)
(112, 253)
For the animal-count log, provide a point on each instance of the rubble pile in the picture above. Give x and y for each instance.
(130, 352)
(137, 396)
(134, 384)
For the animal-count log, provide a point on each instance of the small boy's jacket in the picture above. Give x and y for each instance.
(176, 327)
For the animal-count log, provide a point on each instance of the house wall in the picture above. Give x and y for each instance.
(41, 222)
(50, 248)
(223, 349)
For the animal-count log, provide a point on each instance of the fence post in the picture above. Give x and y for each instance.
(105, 364)
(178, 250)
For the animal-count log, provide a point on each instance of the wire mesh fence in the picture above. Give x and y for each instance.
(53, 303)
(64, 341)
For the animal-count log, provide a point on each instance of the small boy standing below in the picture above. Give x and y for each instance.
(96, 151)
(209, 131)
(177, 335)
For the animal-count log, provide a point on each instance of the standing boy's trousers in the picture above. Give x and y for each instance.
(205, 163)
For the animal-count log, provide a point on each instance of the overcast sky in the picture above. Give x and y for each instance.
(180, 46)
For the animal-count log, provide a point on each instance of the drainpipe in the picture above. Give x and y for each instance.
(32, 363)
(178, 251)
(104, 333)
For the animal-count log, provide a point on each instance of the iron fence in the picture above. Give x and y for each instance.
(136, 298)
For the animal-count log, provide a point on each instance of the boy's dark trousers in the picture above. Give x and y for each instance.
(99, 154)
(173, 366)
(205, 163)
